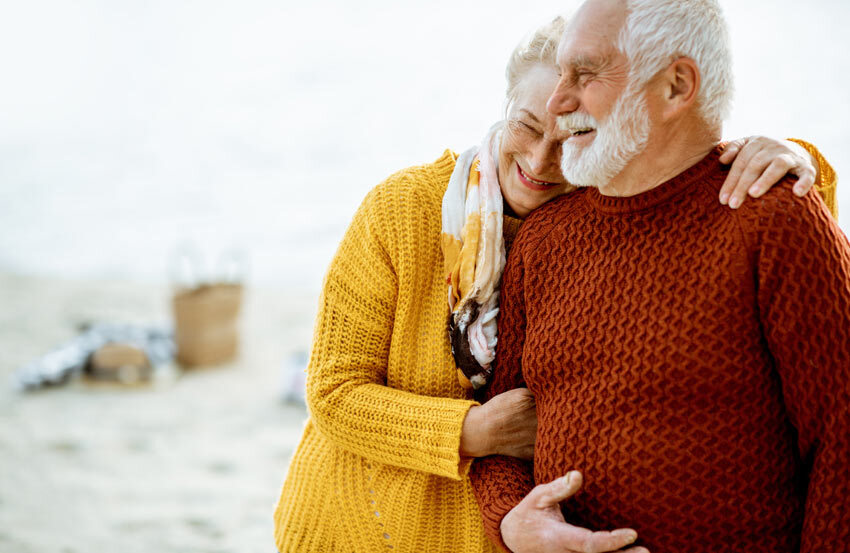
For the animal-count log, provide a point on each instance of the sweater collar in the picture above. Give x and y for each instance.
(658, 195)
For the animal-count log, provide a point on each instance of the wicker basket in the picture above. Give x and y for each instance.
(206, 324)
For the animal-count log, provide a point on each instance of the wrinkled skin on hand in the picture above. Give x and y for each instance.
(759, 162)
(536, 524)
(505, 425)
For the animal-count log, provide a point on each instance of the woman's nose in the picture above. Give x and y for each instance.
(543, 158)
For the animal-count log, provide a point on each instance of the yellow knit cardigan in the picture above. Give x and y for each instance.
(378, 467)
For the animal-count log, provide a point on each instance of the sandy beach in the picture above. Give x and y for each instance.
(192, 463)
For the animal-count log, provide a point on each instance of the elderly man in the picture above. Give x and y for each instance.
(692, 361)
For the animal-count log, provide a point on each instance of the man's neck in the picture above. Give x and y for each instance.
(661, 161)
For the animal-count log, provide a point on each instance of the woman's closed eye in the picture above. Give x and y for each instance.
(526, 127)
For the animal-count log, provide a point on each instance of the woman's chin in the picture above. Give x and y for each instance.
(534, 200)
(523, 200)
(523, 208)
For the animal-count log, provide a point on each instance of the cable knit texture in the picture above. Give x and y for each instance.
(378, 467)
(691, 360)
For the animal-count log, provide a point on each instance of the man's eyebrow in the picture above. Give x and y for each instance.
(531, 115)
(584, 61)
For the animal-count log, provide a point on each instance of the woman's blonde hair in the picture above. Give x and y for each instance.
(539, 47)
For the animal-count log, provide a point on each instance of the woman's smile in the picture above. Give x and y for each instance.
(533, 183)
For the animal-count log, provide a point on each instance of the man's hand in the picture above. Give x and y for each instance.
(537, 525)
(759, 162)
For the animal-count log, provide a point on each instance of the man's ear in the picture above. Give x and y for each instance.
(681, 82)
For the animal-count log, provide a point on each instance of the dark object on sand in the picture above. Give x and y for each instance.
(58, 366)
(293, 378)
(119, 363)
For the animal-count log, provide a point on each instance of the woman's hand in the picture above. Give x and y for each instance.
(505, 425)
(759, 162)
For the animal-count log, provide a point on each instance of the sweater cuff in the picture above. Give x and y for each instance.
(500, 483)
(495, 515)
(436, 425)
(459, 470)
(827, 180)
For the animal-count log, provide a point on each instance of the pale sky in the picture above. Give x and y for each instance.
(128, 128)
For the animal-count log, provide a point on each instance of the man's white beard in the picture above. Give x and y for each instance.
(621, 137)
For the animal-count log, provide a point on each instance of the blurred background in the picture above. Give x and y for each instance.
(132, 130)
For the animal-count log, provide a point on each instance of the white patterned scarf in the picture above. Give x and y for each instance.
(474, 258)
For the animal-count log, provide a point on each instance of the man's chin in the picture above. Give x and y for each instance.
(594, 165)
(577, 170)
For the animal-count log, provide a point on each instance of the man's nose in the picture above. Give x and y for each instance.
(562, 100)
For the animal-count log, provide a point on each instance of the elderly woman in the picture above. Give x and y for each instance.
(393, 428)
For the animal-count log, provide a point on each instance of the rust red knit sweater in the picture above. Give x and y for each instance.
(692, 361)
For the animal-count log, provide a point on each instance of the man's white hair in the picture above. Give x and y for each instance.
(657, 32)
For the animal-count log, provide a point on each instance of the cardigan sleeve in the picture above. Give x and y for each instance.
(347, 394)
(501, 482)
(803, 276)
(827, 181)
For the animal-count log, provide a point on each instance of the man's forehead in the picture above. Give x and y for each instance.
(604, 10)
(593, 31)
(588, 54)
